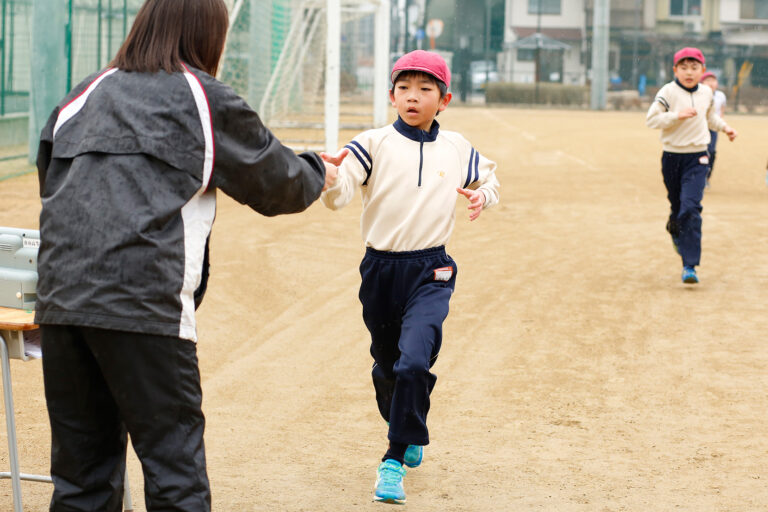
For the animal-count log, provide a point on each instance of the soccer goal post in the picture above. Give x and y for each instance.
(311, 68)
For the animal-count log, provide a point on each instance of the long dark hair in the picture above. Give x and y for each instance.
(169, 32)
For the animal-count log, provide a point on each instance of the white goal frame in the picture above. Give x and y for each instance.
(329, 12)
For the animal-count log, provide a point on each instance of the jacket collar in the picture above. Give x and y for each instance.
(415, 133)
(692, 89)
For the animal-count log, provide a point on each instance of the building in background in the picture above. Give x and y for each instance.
(470, 37)
(744, 35)
(527, 41)
(544, 42)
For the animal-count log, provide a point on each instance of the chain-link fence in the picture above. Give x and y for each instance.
(95, 29)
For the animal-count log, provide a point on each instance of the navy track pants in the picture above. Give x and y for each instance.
(101, 384)
(405, 298)
(685, 176)
(712, 152)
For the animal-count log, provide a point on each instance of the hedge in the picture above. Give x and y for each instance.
(549, 93)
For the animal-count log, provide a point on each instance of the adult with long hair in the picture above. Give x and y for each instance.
(129, 164)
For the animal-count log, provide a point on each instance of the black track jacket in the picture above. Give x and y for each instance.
(129, 164)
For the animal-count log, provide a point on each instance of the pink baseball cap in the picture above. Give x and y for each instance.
(706, 75)
(426, 62)
(689, 53)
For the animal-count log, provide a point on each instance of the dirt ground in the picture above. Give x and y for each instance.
(577, 372)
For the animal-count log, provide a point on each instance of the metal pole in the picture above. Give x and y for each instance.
(538, 51)
(332, 69)
(381, 63)
(127, 501)
(11, 40)
(69, 46)
(109, 29)
(638, 14)
(488, 39)
(47, 64)
(98, 34)
(10, 422)
(406, 36)
(600, 31)
(2, 64)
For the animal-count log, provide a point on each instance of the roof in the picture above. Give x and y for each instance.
(562, 34)
(541, 41)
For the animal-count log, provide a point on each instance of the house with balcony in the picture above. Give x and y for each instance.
(744, 34)
(561, 31)
(543, 42)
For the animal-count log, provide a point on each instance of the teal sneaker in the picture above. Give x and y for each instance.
(413, 456)
(389, 483)
(689, 275)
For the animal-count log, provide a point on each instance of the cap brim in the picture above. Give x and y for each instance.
(395, 74)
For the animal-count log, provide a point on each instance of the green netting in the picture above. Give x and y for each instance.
(14, 57)
(97, 29)
(93, 33)
(253, 48)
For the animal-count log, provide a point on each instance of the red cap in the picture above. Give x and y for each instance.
(706, 75)
(427, 62)
(689, 53)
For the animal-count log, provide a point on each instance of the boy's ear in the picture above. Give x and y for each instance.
(445, 101)
(392, 97)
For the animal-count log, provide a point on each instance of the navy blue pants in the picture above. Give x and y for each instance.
(685, 176)
(101, 385)
(405, 298)
(712, 151)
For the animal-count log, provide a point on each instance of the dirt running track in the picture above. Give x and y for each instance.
(577, 372)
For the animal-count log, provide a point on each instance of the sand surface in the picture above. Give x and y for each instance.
(577, 373)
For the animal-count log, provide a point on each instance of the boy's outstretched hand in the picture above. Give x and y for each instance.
(730, 132)
(476, 201)
(337, 158)
(331, 166)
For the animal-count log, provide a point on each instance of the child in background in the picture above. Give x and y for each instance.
(409, 174)
(710, 80)
(684, 112)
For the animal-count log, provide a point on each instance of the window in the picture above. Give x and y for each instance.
(754, 10)
(543, 6)
(685, 7)
(526, 55)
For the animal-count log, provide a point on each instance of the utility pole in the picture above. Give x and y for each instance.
(638, 25)
(600, 32)
(332, 70)
(49, 65)
(537, 71)
(487, 39)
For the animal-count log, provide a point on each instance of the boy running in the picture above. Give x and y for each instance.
(409, 174)
(718, 98)
(684, 112)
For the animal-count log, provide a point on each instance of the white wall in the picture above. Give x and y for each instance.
(573, 69)
(571, 15)
(729, 11)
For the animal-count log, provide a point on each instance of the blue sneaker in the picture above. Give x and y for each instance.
(389, 483)
(689, 275)
(413, 455)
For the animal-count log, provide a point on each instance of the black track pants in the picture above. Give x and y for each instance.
(100, 384)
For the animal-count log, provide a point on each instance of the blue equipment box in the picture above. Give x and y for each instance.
(18, 267)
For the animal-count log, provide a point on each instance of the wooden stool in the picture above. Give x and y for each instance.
(14, 324)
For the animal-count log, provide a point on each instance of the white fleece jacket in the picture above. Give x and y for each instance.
(687, 135)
